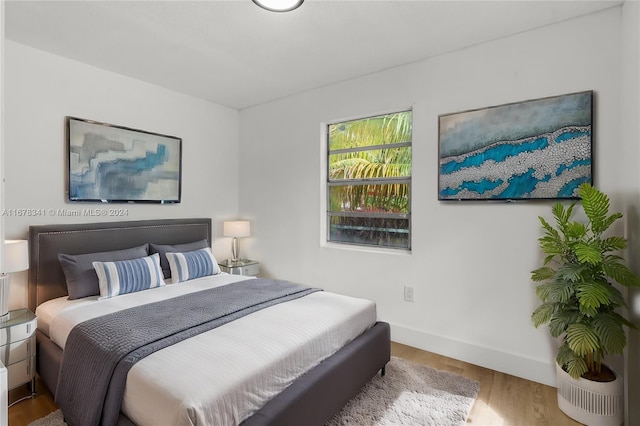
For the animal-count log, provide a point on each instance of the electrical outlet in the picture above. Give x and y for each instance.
(408, 294)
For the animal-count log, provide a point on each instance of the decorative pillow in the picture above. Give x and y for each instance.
(128, 276)
(192, 264)
(81, 278)
(162, 250)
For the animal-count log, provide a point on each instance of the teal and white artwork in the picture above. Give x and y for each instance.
(110, 163)
(537, 149)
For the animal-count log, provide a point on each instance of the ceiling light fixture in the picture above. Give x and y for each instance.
(279, 5)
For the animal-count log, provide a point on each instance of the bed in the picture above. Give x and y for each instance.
(313, 389)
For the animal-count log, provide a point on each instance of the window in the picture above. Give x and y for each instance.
(369, 181)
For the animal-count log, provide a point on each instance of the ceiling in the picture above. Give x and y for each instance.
(233, 53)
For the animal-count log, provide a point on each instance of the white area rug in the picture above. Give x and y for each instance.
(409, 394)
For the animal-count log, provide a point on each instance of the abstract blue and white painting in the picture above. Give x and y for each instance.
(118, 164)
(537, 149)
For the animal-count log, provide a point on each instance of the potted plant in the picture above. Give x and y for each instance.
(580, 301)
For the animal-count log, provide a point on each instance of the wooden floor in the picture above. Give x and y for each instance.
(503, 400)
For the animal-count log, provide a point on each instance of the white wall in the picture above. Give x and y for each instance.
(471, 262)
(630, 192)
(1, 134)
(41, 89)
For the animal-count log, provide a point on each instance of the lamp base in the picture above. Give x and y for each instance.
(4, 296)
(237, 262)
(235, 250)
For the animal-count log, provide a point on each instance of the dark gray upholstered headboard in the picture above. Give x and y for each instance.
(46, 279)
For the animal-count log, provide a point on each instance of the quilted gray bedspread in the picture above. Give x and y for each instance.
(100, 352)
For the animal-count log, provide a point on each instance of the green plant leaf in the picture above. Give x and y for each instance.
(588, 253)
(576, 230)
(592, 294)
(573, 364)
(609, 221)
(613, 244)
(552, 247)
(617, 299)
(565, 354)
(561, 320)
(571, 272)
(613, 267)
(542, 274)
(560, 215)
(582, 339)
(587, 311)
(609, 329)
(577, 367)
(555, 291)
(548, 228)
(542, 314)
(595, 205)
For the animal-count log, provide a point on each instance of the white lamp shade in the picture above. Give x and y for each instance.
(16, 256)
(237, 228)
(279, 5)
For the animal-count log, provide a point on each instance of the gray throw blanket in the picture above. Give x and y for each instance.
(100, 352)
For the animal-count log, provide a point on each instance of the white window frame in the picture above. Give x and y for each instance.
(325, 185)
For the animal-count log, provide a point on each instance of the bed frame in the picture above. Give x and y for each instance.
(311, 400)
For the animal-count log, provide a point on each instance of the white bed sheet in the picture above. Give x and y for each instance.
(223, 376)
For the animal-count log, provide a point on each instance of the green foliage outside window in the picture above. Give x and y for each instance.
(370, 177)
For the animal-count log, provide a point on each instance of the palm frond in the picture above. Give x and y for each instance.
(555, 291)
(588, 253)
(542, 314)
(596, 207)
(576, 230)
(573, 364)
(561, 215)
(571, 272)
(542, 274)
(613, 267)
(610, 221)
(608, 327)
(582, 339)
(591, 295)
(560, 320)
(552, 246)
(613, 244)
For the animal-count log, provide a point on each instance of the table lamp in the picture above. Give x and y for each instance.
(16, 258)
(236, 229)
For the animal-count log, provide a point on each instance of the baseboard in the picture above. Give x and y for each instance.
(514, 365)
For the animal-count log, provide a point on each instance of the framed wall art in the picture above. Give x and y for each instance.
(536, 149)
(109, 163)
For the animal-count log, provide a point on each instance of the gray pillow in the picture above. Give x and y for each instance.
(81, 277)
(163, 249)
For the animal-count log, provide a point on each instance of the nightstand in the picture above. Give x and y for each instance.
(4, 396)
(240, 267)
(18, 348)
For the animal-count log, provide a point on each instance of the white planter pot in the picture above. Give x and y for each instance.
(591, 403)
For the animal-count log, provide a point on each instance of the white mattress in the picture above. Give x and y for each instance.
(223, 376)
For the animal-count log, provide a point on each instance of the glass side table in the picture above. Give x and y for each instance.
(240, 267)
(18, 349)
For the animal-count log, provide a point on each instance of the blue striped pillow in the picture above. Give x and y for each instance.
(192, 264)
(128, 276)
